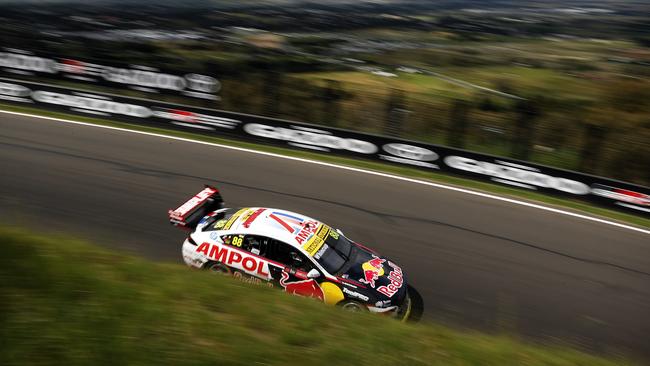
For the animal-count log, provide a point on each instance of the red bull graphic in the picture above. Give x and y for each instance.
(396, 280)
(307, 288)
(372, 270)
(251, 279)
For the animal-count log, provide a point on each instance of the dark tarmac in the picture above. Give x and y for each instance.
(477, 263)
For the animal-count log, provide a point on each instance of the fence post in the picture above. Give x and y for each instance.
(458, 124)
(592, 149)
(395, 113)
(527, 112)
(271, 93)
(331, 107)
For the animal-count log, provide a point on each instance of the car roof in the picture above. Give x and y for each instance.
(283, 225)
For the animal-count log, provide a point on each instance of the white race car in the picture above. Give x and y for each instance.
(294, 252)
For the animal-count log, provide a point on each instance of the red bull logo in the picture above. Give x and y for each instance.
(372, 270)
(396, 280)
(307, 288)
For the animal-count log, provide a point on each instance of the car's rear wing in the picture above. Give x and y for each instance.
(191, 212)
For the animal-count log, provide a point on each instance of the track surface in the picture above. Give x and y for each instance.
(477, 262)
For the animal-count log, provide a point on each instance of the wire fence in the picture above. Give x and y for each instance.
(536, 130)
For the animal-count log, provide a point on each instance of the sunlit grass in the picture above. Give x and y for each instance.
(64, 302)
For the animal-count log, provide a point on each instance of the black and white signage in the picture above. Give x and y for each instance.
(91, 103)
(310, 138)
(516, 174)
(409, 154)
(621, 195)
(116, 107)
(15, 93)
(136, 77)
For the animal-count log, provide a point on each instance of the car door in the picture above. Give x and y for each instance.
(244, 255)
(292, 277)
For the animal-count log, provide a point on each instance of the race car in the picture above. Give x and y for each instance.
(290, 251)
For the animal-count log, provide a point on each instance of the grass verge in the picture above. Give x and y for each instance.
(564, 203)
(65, 302)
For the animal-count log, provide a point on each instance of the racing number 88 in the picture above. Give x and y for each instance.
(237, 241)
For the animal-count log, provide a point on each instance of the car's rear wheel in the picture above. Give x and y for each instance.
(352, 306)
(218, 267)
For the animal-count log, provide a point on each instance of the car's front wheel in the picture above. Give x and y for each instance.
(352, 306)
(404, 311)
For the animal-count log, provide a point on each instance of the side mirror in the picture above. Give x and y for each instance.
(313, 273)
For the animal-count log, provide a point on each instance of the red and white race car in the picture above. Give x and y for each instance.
(291, 251)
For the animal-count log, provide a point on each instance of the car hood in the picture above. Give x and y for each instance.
(379, 275)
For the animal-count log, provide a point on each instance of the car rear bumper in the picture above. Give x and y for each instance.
(190, 256)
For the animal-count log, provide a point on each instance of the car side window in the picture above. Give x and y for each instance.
(256, 244)
(250, 243)
(288, 255)
(236, 240)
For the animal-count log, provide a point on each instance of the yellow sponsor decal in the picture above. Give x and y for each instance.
(323, 231)
(317, 240)
(332, 293)
(234, 218)
(246, 215)
(313, 245)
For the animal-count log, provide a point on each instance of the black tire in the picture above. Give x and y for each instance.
(218, 267)
(352, 306)
(417, 305)
(404, 312)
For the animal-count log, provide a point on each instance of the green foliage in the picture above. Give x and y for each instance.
(64, 302)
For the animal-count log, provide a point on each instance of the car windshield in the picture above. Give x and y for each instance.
(334, 253)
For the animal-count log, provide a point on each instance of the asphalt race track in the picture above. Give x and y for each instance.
(477, 262)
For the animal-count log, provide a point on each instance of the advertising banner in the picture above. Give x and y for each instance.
(16, 63)
(624, 196)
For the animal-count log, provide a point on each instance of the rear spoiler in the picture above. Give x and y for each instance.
(191, 212)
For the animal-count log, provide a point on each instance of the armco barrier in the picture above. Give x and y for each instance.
(624, 196)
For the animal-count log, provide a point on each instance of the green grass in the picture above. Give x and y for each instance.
(422, 87)
(497, 63)
(430, 88)
(526, 80)
(64, 302)
(564, 203)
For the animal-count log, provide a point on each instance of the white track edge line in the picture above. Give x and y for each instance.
(359, 170)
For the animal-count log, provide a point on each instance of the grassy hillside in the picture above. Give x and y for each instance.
(64, 302)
